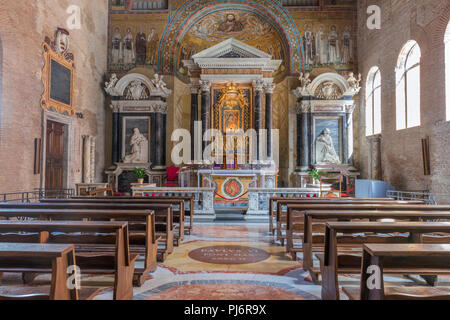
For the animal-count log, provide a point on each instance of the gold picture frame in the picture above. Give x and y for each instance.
(47, 101)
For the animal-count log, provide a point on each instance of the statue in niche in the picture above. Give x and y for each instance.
(333, 46)
(139, 148)
(128, 48)
(322, 46)
(230, 24)
(309, 44)
(136, 91)
(116, 51)
(325, 152)
(347, 46)
(141, 47)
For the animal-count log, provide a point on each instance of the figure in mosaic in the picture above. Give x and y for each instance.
(128, 48)
(116, 50)
(309, 44)
(141, 47)
(322, 46)
(333, 46)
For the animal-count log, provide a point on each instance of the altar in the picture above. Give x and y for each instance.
(232, 80)
(230, 186)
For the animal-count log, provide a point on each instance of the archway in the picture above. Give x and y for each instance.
(193, 11)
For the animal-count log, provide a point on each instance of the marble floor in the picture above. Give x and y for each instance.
(227, 261)
(234, 261)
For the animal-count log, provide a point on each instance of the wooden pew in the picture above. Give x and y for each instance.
(281, 218)
(19, 257)
(296, 212)
(332, 263)
(188, 202)
(89, 258)
(273, 201)
(311, 243)
(163, 218)
(144, 242)
(429, 258)
(178, 216)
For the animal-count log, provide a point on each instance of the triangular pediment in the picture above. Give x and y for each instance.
(231, 48)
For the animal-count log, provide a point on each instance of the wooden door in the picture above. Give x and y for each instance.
(54, 163)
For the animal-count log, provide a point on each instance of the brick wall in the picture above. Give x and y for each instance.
(23, 28)
(403, 20)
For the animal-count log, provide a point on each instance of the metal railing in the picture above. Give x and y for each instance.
(36, 195)
(427, 197)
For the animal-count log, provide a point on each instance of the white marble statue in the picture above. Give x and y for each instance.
(325, 152)
(110, 86)
(354, 82)
(304, 80)
(160, 84)
(139, 148)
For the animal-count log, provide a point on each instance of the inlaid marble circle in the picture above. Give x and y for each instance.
(229, 255)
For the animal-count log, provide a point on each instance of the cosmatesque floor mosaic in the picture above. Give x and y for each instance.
(224, 261)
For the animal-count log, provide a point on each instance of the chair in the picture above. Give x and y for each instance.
(172, 176)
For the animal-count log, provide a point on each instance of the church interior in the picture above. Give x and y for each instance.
(225, 150)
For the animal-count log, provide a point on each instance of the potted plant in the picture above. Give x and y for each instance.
(140, 174)
(315, 175)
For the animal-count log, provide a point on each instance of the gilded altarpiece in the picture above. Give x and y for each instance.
(232, 116)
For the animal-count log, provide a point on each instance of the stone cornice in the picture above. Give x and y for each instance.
(140, 106)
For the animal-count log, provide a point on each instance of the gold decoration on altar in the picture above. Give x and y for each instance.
(232, 110)
(232, 117)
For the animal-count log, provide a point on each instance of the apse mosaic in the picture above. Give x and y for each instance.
(244, 26)
(161, 40)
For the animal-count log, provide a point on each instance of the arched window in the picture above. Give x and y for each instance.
(408, 86)
(447, 71)
(373, 102)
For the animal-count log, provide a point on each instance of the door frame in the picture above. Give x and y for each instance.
(69, 124)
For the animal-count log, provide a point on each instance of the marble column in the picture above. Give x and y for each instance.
(206, 109)
(195, 88)
(115, 137)
(303, 139)
(269, 88)
(88, 159)
(258, 87)
(160, 148)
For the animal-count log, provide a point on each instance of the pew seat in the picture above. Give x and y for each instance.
(379, 259)
(404, 293)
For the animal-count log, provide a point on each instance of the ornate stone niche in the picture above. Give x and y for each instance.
(325, 108)
(58, 74)
(139, 127)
